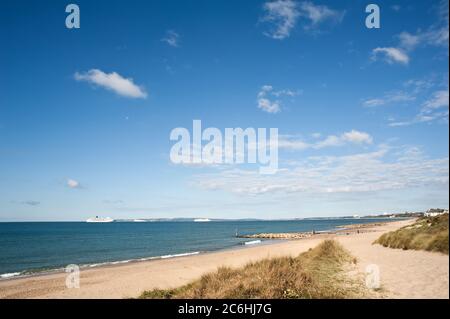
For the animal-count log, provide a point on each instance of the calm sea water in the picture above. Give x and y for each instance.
(30, 247)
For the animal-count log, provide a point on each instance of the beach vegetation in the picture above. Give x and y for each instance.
(427, 233)
(317, 273)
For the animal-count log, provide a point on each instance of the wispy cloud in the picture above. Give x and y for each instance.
(438, 100)
(357, 173)
(373, 102)
(391, 55)
(357, 137)
(284, 15)
(398, 96)
(31, 203)
(113, 82)
(408, 41)
(269, 100)
(435, 35)
(429, 97)
(172, 38)
(317, 14)
(434, 108)
(350, 137)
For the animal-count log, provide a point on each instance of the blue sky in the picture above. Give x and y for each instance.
(85, 114)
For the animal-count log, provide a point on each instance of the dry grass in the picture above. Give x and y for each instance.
(318, 273)
(428, 233)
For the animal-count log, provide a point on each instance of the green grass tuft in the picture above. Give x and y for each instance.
(427, 233)
(317, 273)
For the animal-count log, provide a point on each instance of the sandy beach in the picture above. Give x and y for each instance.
(404, 274)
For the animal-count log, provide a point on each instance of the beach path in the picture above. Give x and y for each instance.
(403, 273)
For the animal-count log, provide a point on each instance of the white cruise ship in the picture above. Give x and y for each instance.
(202, 220)
(97, 219)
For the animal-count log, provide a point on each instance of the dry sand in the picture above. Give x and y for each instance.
(404, 274)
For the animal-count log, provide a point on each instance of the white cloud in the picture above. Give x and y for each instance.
(112, 81)
(285, 142)
(172, 38)
(357, 173)
(408, 41)
(71, 183)
(438, 100)
(286, 93)
(374, 102)
(331, 140)
(412, 91)
(435, 35)
(438, 33)
(283, 14)
(265, 101)
(319, 13)
(350, 137)
(394, 123)
(268, 106)
(398, 96)
(391, 55)
(357, 137)
(435, 108)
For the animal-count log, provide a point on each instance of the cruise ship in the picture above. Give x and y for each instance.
(97, 219)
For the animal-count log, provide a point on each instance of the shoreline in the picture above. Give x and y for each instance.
(118, 263)
(405, 274)
(266, 239)
(338, 230)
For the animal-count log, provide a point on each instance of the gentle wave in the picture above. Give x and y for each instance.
(118, 262)
(180, 255)
(253, 242)
(139, 259)
(9, 275)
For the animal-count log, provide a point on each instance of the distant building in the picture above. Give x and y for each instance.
(435, 212)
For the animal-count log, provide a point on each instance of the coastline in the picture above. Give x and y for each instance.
(252, 239)
(128, 280)
(107, 264)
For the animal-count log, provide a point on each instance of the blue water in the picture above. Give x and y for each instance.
(30, 247)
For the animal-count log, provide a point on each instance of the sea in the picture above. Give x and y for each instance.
(28, 248)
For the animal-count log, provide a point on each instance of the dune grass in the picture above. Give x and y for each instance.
(427, 233)
(318, 273)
